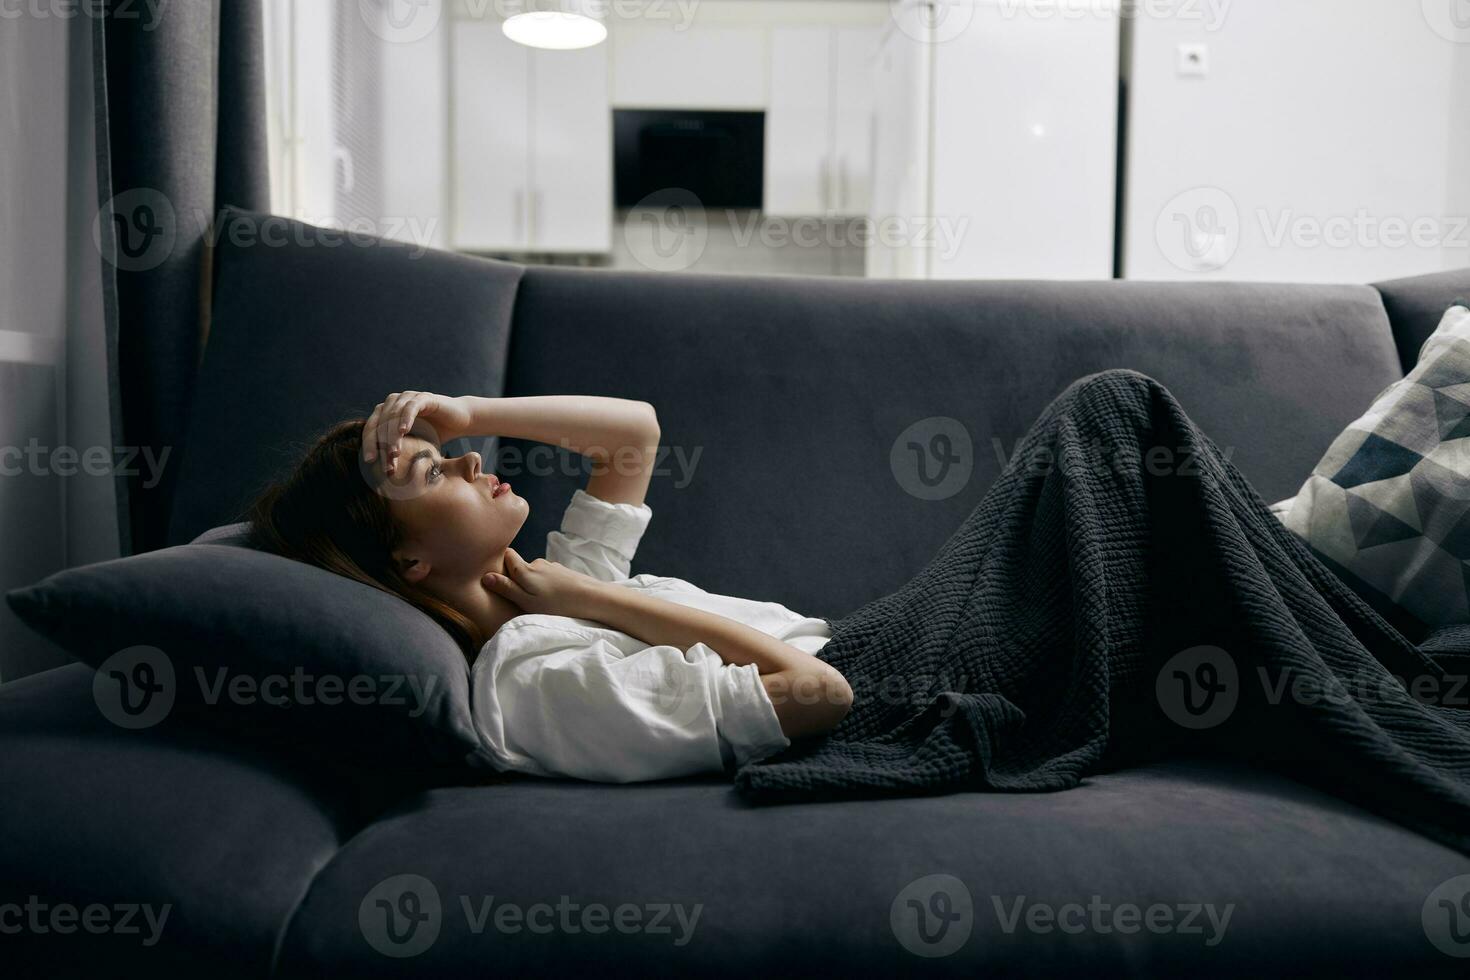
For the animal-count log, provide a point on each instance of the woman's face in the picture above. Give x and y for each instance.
(455, 525)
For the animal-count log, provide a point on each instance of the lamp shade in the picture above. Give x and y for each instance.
(557, 24)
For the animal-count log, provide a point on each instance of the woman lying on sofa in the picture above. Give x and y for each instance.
(579, 670)
(1096, 609)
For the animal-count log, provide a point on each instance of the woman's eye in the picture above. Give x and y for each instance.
(434, 471)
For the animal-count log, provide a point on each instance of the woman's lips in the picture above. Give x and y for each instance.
(500, 488)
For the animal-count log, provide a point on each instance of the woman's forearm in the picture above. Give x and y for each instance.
(619, 435)
(809, 695)
(595, 426)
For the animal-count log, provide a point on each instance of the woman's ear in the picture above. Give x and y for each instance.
(413, 570)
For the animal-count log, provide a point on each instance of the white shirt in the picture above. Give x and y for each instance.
(563, 696)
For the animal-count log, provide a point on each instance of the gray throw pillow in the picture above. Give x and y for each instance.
(220, 631)
(1388, 506)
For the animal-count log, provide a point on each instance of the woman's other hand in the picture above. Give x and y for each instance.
(543, 586)
(444, 418)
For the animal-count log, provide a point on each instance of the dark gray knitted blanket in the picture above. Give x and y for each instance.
(1122, 593)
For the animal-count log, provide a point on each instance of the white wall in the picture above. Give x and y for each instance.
(1322, 131)
(1457, 167)
(416, 145)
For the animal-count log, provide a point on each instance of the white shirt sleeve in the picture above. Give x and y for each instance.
(598, 538)
(577, 705)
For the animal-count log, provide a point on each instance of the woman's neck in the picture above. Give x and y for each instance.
(487, 610)
(496, 614)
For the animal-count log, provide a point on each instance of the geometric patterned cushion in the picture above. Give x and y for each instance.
(1388, 506)
(1283, 507)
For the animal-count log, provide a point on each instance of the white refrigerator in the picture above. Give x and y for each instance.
(995, 136)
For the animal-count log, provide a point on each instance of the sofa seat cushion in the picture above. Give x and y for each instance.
(168, 816)
(1310, 883)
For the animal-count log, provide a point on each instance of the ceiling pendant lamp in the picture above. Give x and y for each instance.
(560, 25)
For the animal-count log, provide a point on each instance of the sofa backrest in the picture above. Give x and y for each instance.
(312, 326)
(1415, 307)
(783, 401)
(788, 404)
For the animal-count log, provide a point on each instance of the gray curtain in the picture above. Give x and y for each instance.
(181, 133)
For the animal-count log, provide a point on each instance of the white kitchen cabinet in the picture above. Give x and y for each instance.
(798, 142)
(571, 204)
(818, 123)
(706, 66)
(532, 145)
(852, 112)
(491, 138)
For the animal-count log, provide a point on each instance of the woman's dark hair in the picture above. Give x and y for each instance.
(327, 514)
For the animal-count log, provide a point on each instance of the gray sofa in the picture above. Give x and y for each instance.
(797, 387)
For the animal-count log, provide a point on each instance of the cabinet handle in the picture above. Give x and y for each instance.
(824, 179)
(518, 196)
